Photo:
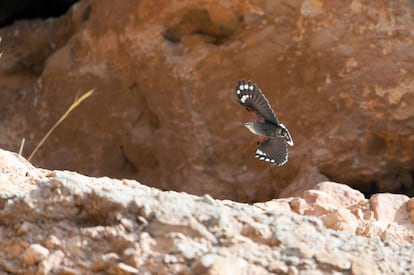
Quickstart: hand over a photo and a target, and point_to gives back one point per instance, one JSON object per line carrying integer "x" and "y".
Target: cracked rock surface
{"x": 61, "y": 222}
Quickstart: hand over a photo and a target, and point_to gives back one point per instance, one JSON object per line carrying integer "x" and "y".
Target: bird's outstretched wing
{"x": 250, "y": 96}
{"x": 273, "y": 150}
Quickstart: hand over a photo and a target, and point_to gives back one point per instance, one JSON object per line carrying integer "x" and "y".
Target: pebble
{"x": 34, "y": 254}
{"x": 104, "y": 261}
{"x": 122, "y": 269}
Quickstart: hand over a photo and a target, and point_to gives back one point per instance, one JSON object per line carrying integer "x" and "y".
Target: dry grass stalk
{"x": 70, "y": 109}
{"x": 21, "y": 146}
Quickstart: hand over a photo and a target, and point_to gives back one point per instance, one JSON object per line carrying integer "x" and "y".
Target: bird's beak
{"x": 234, "y": 124}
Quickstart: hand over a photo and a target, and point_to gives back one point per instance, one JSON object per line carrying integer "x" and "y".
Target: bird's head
{"x": 249, "y": 125}
{"x": 252, "y": 127}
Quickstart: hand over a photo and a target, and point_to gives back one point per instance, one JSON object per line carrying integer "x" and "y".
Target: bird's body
{"x": 269, "y": 130}
{"x": 273, "y": 136}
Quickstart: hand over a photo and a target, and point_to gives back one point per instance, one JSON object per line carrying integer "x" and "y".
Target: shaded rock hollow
{"x": 337, "y": 73}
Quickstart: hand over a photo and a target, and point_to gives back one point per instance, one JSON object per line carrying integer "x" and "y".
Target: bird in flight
{"x": 273, "y": 136}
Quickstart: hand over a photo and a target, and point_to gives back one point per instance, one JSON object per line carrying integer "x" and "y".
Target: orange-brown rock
{"x": 338, "y": 74}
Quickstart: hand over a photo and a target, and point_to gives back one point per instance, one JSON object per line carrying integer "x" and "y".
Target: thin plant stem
{"x": 21, "y": 146}
{"x": 70, "y": 109}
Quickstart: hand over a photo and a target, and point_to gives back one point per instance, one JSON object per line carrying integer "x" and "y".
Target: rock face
{"x": 338, "y": 74}
{"x": 60, "y": 222}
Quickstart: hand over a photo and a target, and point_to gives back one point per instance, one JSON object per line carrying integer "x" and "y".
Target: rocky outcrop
{"x": 337, "y": 73}
{"x": 387, "y": 216}
{"x": 61, "y": 222}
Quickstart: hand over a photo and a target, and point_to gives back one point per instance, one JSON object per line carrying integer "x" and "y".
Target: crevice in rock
{"x": 39, "y": 40}
{"x": 127, "y": 163}
{"x": 398, "y": 182}
{"x": 97, "y": 212}
{"x": 11, "y": 10}
{"x": 199, "y": 22}
{"x": 3, "y": 202}
{"x": 368, "y": 189}
{"x": 147, "y": 117}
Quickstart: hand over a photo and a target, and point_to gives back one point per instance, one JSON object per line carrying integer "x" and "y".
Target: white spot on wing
{"x": 246, "y": 86}
{"x": 260, "y": 152}
{"x": 244, "y": 98}
{"x": 251, "y": 87}
{"x": 241, "y": 87}
{"x": 289, "y": 137}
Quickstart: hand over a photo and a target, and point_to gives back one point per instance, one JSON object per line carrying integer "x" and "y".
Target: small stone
{"x": 228, "y": 265}
{"x": 132, "y": 255}
{"x": 204, "y": 263}
{"x": 13, "y": 249}
{"x": 169, "y": 258}
{"x": 34, "y": 254}
{"x": 278, "y": 267}
{"x": 142, "y": 222}
{"x": 110, "y": 257}
{"x": 146, "y": 211}
{"x": 368, "y": 215}
{"x": 51, "y": 174}
{"x": 146, "y": 242}
{"x": 74, "y": 245}
{"x": 363, "y": 267}
{"x": 122, "y": 269}
{"x": 298, "y": 205}
{"x": 52, "y": 241}
{"x": 333, "y": 259}
{"x": 189, "y": 253}
{"x": 25, "y": 228}
{"x": 292, "y": 270}
{"x": 64, "y": 270}
{"x": 104, "y": 261}
{"x": 370, "y": 229}
{"x": 208, "y": 199}
{"x": 181, "y": 269}
{"x": 341, "y": 219}
{"x": 358, "y": 213}
{"x": 275, "y": 205}
{"x": 127, "y": 224}
{"x": 53, "y": 261}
